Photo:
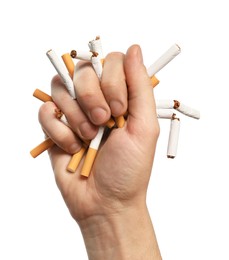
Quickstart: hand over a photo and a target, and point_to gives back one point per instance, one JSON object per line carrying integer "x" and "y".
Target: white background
{"x": 187, "y": 196}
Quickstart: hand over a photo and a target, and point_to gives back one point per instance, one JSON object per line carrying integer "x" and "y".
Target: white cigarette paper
{"x": 96, "y": 46}
{"x": 188, "y": 111}
{"x": 97, "y": 65}
{"x": 164, "y": 104}
{"x": 81, "y": 55}
{"x": 173, "y": 138}
{"x": 165, "y": 113}
{"x": 169, "y": 55}
{"x": 62, "y": 71}
{"x": 94, "y": 144}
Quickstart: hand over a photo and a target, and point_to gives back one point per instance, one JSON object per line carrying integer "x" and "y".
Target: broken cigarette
{"x": 46, "y": 144}
{"x": 173, "y": 138}
{"x": 75, "y": 160}
{"x": 95, "y": 46}
{"x": 81, "y": 55}
{"x": 68, "y": 63}
{"x": 62, "y": 71}
{"x": 165, "y": 113}
{"x": 160, "y": 63}
{"x": 42, "y": 95}
{"x": 175, "y": 104}
{"x": 91, "y": 153}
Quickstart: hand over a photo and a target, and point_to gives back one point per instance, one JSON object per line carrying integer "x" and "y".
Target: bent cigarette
{"x": 62, "y": 71}
{"x": 91, "y": 153}
{"x": 42, "y": 95}
{"x": 160, "y": 63}
{"x": 68, "y": 63}
{"x": 46, "y": 144}
{"x": 173, "y": 138}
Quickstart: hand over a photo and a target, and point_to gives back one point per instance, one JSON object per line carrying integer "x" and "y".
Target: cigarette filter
{"x": 75, "y": 160}
{"x": 68, "y": 63}
{"x": 154, "y": 81}
{"x": 62, "y": 71}
{"x": 169, "y": 55}
{"x": 42, "y": 95}
{"x": 91, "y": 153}
{"x": 120, "y": 121}
{"x": 46, "y": 144}
{"x": 173, "y": 138}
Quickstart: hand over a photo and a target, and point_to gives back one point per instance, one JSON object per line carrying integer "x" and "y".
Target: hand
{"x": 121, "y": 171}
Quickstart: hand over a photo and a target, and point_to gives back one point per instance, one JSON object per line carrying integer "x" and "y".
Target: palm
{"x": 113, "y": 177}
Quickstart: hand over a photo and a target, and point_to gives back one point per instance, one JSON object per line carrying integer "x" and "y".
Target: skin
{"x": 109, "y": 206}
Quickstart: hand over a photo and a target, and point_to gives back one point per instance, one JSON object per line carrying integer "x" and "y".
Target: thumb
{"x": 141, "y": 103}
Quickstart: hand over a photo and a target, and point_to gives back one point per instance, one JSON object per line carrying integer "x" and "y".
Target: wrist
{"x": 127, "y": 234}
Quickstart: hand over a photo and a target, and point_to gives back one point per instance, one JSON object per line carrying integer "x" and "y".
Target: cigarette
{"x": 42, "y": 95}
{"x": 164, "y": 104}
{"x": 160, "y": 63}
{"x": 94, "y": 145}
{"x": 175, "y": 104}
{"x": 95, "y": 46}
{"x": 155, "y": 81}
{"x": 91, "y": 153}
{"x": 62, "y": 71}
{"x": 75, "y": 160}
{"x": 81, "y": 55}
{"x": 46, "y": 144}
{"x": 186, "y": 110}
{"x": 120, "y": 121}
{"x": 97, "y": 65}
{"x": 165, "y": 113}
{"x": 68, "y": 63}
{"x": 173, "y": 138}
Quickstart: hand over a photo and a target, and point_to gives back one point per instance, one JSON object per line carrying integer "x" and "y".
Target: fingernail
{"x": 74, "y": 148}
{"x": 116, "y": 108}
{"x": 87, "y": 130}
{"x": 98, "y": 115}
